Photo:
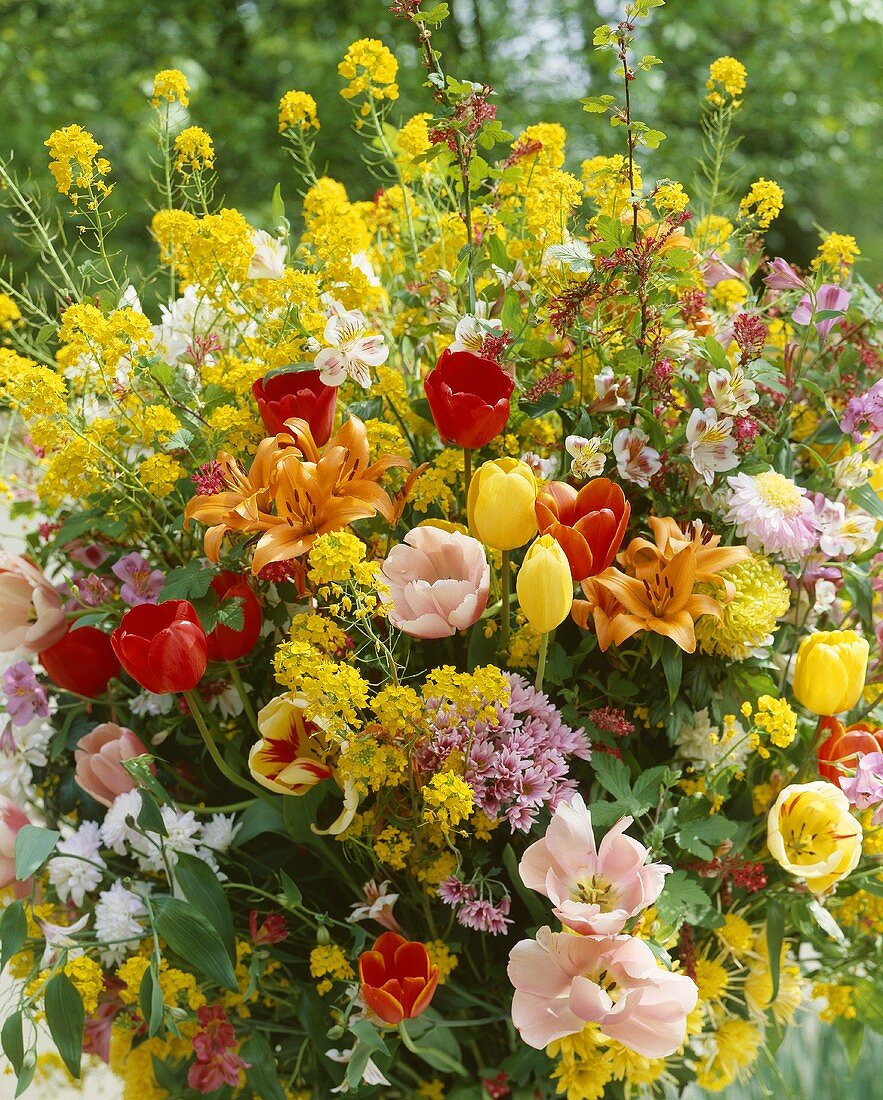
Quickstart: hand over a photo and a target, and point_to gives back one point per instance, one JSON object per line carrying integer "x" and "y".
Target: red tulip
{"x": 838, "y": 753}
{"x": 469, "y": 398}
{"x": 588, "y": 525}
{"x": 297, "y": 393}
{"x": 82, "y": 662}
{"x": 398, "y": 980}
{"x": 225, "y": 643}
{"x": 162, "y": 646}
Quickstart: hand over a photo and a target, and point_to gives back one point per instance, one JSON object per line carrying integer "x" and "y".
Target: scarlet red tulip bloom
{"x": 398, "y": 979}
{"x": 469, "y": 398}
{"x": 588, "y": 525}
{"x": 297, "y": 393}
{"x": 838, "y": 753}
{"x": 162, "y": 646}
{"x": 82, "y": 662}
{"x": 225, "y": 643}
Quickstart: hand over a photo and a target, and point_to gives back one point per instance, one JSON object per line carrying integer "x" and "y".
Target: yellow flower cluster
{"x": 31, "y": 388}
{"x": 763, "y": 203}
{"x": 606, "y": 183}
{"x": 366, "y": 764}
{"x": 178, "y": 987}
{"x": 447, "y": 800}
{"x": 399, "y": 709}
{"x": 170, "y": 86}
{"x": 727, "y": 78}
{"x": 321, "y": 632}
{"x": 670, "y": 198}
{"x": 159, "y": 474}
{"x": 714, "y": 231}
{"x": 474, "y": 694}
{"x": 837, "y": 252}
{"x": 392, "y": 846}
{"x": 335, "y": 558}
{"x": 297, "y": 111}
{"x": 440, "y": 955}
{"x": 87, "y": 977}
{"x": 436, "y": 486}
{"x": 212, "y": 250}
{"x": 194, "y": 151}
{"x": 72, "y": 145}
{"x": 760, "y": 599}
{"x": 335, "y": 691}
{"x": 412, "y": 140}
{"x": 337, "y": 233}
{"x": 10, "y": 314}
{"x": 775, "y": 720}
{"x": 327, "y": 961}
{"x": 728, "y": 294}
{"x": 90, "y": 339}
{"x": 371, "y": 69}
{"x": 839, "y": 1000}
{"x": 552, "y": 138}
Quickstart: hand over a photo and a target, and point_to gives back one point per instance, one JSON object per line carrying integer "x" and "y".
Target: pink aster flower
{"x": 772, "y": 514}
{"x": 829, "y": 298}
{"x": 562, "y": 982}
{"x": 595, "y": 890}
{"x": 865, "y": 788}
{"x": 438, "y": 582}
{"x": 484, "y": 916}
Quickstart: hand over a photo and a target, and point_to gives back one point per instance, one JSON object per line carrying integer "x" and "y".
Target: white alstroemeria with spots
{"x": 353, "y": 350}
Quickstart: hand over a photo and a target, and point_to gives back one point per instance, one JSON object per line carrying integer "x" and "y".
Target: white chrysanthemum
{"x": 116, "y": 913}
{"x": 32, "y": 741}
{"x": 219, "y": 833}
{"x": 702, "y": 744}
{"x": 183, "y": 836}
{"x": 115, "y": 832}
{"x": 772, "y": 514}
{"x": 78, "y": 875}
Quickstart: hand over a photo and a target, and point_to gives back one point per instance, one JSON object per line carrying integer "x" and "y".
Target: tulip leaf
{"x": 775, "y": 934}
{"x": 866, "y": 497}
{"x": 202, "y": 889}
{"x": 66, "y": 1017}
{"x": 12, "y": 1040}
{"x": 259, "y": 818}
{"x": 261, "y": 1075}
{"x": 149, "y": 817}
{"x": 437, "y": 1047}
{"x": 673, "y": 667}
{"x": 33, "y": 846}
{"x": 189, "y": 935}
{"x": 13, "y": 931}
{"x": 292, "y": 891}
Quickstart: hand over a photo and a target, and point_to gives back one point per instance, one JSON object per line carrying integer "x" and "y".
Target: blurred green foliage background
{"x": 812, "y": 116}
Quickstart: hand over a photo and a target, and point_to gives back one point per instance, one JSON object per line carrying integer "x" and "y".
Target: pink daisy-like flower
{"x": 772, "y": 514}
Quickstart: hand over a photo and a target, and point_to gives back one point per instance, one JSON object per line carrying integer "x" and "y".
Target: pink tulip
{"x": 98, "y": 758}
{"x": 782, "y": 276}
{"x": 563, "y": 981}
{"x": 31, "y": 615}
{"x": 12, "y": 818}
{"x": 594, "y": 890}
{"x": 438, "y": 582}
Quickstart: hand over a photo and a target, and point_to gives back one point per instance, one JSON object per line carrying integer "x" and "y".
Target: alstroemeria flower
{"x": 829, "y": 298}
{"x": 710, "y": 444}
{"x": 594, "y": 889}
{"x": 636, "y": 460}
{"x": 354, "y": 349}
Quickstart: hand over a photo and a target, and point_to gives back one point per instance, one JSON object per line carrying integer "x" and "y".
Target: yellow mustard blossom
{"x": 159, "y": 474}
{"x": 728, "y": 294}
{"x": 178, "y": 987}
{"x": 391, "y": 846}
{"x": 10, "y": 314}
{"x": 297, "y": 111}
{"x": 440, "y": 955}
{"x": 735, "y": 1048}
{"x": 550, "y": 202}
{"x": 431, "y": 1090}
{"x": 760, "y": 598}
{"x": 837, "y": 252}
{"x": 862, "y": 911}
{"x": 72, "y": 145}
{"x": 551, "y": 137}
{"x": 763, "y": 203}
{"x": 170, "y": 86}
{"x": 606, "y": 183}
{"x": 87, "y": 977}
{"x": 370, "y": 69}
{"x": 211, "y": 251}
{"x": 839, "y": 1000}
{"x": 321, "y": 632}
{"x": 714, "y": 231}
{"x": 156, "y": 423}
{"x": 448, "y": 800}
{"x": 133, "y": 1063}
{"x": 412, "y": 140}
{"x": 670, "y": 198}
{"x": 334, "y": 557}
{"x": 235, "y": 428}
{"x": 727, "y": 78}
{"x": 327, "y": 961}
{"x": 194, "y": 151}
{"x": 31, "y": 388}
{"x": 366, "y": 764}
{"x": 398, "y": 708}
{"x": 775, "y": 719}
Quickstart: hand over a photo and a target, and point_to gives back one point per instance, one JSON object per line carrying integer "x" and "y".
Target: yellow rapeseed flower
{"x": 297, "y": 111}
{"x": 170, "y": 86}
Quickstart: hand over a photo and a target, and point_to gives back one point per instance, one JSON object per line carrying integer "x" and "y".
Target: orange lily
{"x": 659, "y": 599}
{"x": 671, "y": 537}
{"x": 603, "y": 608}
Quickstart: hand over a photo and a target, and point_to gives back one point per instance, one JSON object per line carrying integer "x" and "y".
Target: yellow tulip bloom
{"x": 813, "y": 835}
{"x": 544, "y": 585}
{"x": 501, "y": 502}
{"x": 829, "y": 674}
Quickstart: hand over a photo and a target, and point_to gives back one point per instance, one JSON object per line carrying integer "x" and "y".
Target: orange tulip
{"x": 398, "y": 979}
{"x": 588, "y": 525}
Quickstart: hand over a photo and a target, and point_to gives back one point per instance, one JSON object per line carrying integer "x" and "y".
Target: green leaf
{"x": 852, "y": 1035}
{"x": 150, "y": 818}
{"x": 13, "y": 931}
{"x": 673, "y": 667}
{"x": 12, "y": 1040}
{"x": 65, "y": 1016}
{"x": 368, "y": 1034}
{"x": 139, "y": 769}
{"x": 230, "y": 613}
{"x": 867, "y": 996}
{"x": 866, "y": 497}
{"x": 261, "y": 1074}
{"x": 645, "y": 792}
{"x": 190, "y": 581}
{"x": 536, "y": 908}
{"x": 33, "y": 846}
{"x": 150, "y": 1001}
{"x": 703, "y": 836}
{"x": 613, "y": 775}
{"x": 291, "y": 890}
{"x": 259, "y": 818}
{"x": 437, "y": 1047}
{"x": 186, "y": 932}
{"x": 435, "y": 16}
{"x": 775, "y": 935}
{"x": 682, "y": 899}
{"x": 278, "y": 206}
{"x": 597, "y": 104}
{"x": 202, "y": 889}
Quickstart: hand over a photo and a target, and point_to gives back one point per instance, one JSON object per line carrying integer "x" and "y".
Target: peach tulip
{"x": 438, "y": 582}
{"x": 99, "y": 757}
{"x": 31, "y": 616}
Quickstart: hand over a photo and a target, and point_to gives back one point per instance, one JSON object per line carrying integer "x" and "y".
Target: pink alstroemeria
{"x": 865, "y": 788}
{"x": 563, "y": 981}
{"x": 830, "y": 298}
{"x": 782, "y": 276}
{"x": 715, "y": 270}
{"x": 378, "y": 906}
{"x": 595, "y": 890}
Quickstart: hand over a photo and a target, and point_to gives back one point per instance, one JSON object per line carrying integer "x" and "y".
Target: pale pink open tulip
{"x": 563, "y": 981}
{"x": 595, "y": 890}
{"x": 98, "y": 758}
{"x": 12, "y": 818}
{"x": 438, "y": 582}
{"x": 31, "y": 616}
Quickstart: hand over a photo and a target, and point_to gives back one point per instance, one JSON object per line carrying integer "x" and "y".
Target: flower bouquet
{"x": 444, "y": 658}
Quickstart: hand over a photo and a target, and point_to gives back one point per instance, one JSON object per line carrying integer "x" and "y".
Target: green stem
{"x": 505, "y": 612}
{"x": 467, "y": 474}
{"x": 243, "y": 695}
{"x": 541, "y": 660}
{"x": 213, "y": 750}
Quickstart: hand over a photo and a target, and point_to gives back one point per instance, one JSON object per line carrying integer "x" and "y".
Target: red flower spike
{"x": 398, "y": 980}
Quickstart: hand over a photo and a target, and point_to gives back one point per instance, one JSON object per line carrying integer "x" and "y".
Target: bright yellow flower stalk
{"x": 812, "y": 834}
{"x": 829, "y": 674}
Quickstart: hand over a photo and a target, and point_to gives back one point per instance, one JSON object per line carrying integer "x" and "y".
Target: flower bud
{"x": 544, "y": 585}
{"x": 829, "y": 674}
{"x": 501, "y": 503}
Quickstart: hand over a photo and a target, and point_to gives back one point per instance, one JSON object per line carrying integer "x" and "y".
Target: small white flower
{"x": 712, "y": 448}
{"x": 220, "y": 832}
{"x": 851, "y": 472}
{"x": 843, "y": 534}
{"x": 58, "y": 936}
{"x": 379, "y": 906}
{"x": 543, "y": 468}
{"x": 182, "y": 829}
{"x": 371, "y": 1075}
{"x": 353, "y": 350}
{"x": 635, "y": 460}
{"x": 731, "y": 391}
{"x": 268, "y": 261}
{"x": 227, "y": 702}
{"x": 587, "y": 458}
{"x": 701, "y": 742}
{"x": 116, "y": 913}
{"x": 825, "y": 595}
{"x": 471, "y": 330}
{"x": 79, "y": 869}
{"x": 610, "y": 392}
{"x": 145, "y": 702}
{"x": 516, "y": 279}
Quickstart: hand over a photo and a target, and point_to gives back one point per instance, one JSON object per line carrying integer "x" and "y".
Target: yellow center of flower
{"x": 808, "y": 831}
{"x": 594, "y": 890}
{"x": 779, "y": 491}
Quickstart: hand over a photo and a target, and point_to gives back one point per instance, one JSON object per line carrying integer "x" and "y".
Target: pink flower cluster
{"x": 516, "y": 764}
{"x": 472, "y": 911}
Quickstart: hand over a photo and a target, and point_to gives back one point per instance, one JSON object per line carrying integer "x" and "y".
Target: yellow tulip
{"x": 501, "y": 502}
{"x": 545, "y": 585}
{"x": 829, "y": 674}
{"x": 812, "y": 834}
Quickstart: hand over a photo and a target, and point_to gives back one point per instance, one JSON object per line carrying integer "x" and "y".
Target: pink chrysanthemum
{"x": 772, "y": 514}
